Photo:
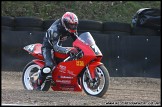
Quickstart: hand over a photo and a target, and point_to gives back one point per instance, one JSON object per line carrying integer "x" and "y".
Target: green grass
{"x": 118, "y": 11}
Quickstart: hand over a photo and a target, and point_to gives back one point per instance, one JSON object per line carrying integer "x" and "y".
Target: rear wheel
{"x": 30, "y": 75}
{"x": 99, "y": 86}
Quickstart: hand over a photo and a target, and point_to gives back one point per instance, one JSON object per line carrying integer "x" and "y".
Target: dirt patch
{"x": 122, "y": 91}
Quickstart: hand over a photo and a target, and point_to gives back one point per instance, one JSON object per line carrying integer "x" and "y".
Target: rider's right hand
{"x": 73, "y": 51}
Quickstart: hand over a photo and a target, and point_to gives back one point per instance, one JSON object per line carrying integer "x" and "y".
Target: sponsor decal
{"x": 79, "y": 63}
{"x": 64, "y": 81}
{"x": 67, "y": 86}
{"x": 29, "y": 48}
{"x": 67, "y": 89}
{"x": 66, "y": 77}
{"x": 71, "y": 73}
{"x": 62, "y": 68}
{"x": 62, "y": 71}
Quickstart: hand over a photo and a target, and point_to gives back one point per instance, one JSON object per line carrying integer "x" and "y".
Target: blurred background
{"x": 118, "y": 11}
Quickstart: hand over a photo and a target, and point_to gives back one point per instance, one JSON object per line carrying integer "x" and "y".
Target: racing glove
{"x": 73, "y": 51}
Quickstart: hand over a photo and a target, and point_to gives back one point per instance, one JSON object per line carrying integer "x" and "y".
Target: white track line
{"x": 18, "y": 105}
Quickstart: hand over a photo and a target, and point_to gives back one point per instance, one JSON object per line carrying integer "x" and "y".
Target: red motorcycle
{"x": 73, "y": 72}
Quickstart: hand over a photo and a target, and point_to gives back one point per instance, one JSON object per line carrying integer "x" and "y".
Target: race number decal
{"x": 79, "y": 63}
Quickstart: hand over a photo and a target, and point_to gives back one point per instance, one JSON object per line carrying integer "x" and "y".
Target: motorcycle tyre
{"x": 47, "y": 84}
{"x": 106, "y": 85}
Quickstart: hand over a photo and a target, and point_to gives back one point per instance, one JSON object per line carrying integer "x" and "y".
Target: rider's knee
{"x": 46, "y": 70}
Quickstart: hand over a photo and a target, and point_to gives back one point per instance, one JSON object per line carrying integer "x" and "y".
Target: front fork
{"x": 91, "y": 69}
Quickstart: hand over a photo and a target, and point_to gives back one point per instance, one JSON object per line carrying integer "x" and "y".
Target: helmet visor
{"x": 72, "y": 26}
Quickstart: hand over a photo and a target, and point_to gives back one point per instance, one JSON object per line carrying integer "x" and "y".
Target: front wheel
{"x": 30, "y": 75}
{"x": 99, "y": 86}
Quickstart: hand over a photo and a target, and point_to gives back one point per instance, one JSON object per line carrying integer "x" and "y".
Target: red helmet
{"x": 70, "y": 22}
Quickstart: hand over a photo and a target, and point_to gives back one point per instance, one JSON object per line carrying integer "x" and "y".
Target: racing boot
{"x": 42, "y": 76}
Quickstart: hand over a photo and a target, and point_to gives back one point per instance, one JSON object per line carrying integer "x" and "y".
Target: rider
{"x": 58, "y": 32}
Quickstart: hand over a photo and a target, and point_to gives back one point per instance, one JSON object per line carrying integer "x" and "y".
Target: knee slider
{"x": 46, "y": 70}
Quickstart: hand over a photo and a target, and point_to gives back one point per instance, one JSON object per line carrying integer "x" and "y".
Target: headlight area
{"x": 96, "y": 50}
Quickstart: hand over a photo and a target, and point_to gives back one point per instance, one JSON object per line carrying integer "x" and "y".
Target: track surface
{"x": 122, "y": 91}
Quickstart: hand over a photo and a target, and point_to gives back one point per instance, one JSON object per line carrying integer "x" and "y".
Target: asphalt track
{"x": 125, "y": 91}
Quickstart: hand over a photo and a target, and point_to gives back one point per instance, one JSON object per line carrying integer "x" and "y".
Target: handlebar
{"x": 75, "y": 56}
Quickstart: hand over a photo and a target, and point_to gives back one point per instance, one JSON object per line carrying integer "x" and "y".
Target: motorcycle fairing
{"x": 39, "y": 62}
{"x": 92, "y": 67}
{"x": 34, "y": 50}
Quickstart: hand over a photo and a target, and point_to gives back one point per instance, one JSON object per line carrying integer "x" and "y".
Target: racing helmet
{"x": 70, "y": 22}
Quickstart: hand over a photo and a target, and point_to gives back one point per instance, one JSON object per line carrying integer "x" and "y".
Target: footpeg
{"x": 49, "y": 77}
{"x": 53, "y": 83}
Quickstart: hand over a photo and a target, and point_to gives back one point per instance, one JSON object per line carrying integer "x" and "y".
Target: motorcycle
{"x": 82, "y": 71}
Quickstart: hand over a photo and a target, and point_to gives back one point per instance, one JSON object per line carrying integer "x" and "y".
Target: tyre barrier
{"x": 28, "y": 29}
{"x": 144, "y": 31}
{"x": 7, "y": 21}
{"x": 47, "y": 24}
{"x": 28, "y": 22}
{"x": 116, "y": 26}
{"x": 13, "y": 56}
{"x": 7, "y": 28}
{"x": 133, "y": 55}
{"x": 90, "y": 25}
{"x": 38, "y": 24}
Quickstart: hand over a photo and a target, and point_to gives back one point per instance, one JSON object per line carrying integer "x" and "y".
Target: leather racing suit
{"x": 53, "y": 39}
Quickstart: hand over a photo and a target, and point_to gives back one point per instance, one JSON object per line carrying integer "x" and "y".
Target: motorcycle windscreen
{"x": 88, "y": 40}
